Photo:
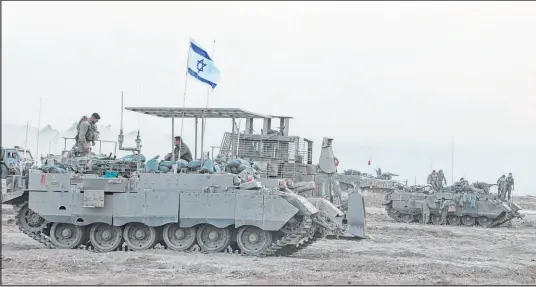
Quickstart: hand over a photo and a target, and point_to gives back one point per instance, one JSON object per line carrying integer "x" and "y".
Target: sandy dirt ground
{"x": 396, "y": 253}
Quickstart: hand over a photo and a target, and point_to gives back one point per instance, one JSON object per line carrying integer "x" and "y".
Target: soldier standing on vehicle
{"x": 87, "y": 132}
{"x": 431, "y": 179}
{"x": 501, "y": 183}
{"x": 440, "y": 179}
{"x": 509, "y": 185}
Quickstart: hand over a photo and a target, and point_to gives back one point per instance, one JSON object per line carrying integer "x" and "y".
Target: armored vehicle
{"x": 181, "y": 210}
{"x": 277, "y": 155}
{"x": 454, "y": 205}
{"x": 382, "y": 182}
{"x": 14, "y": 166}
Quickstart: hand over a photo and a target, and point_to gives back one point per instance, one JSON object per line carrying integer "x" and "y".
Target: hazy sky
{"x": 378, "y": 71}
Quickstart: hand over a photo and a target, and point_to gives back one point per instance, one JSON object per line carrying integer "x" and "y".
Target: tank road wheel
{"x": 407, "y": 218}
{"x": 253, "y": 240}
{"x": 139, "y": 236}
{"x": 213, "y": 239}
{"x": 30, "y": 221}
{"x": 178, "y": 238}
{"x": 454, "y": 220}
{"x": 105, "y": 237}
{"x": 484, "y": 221}
{"x": 468, "y": 220}
{"x": 436, "y": 219}
{"x": 67, "y": 235}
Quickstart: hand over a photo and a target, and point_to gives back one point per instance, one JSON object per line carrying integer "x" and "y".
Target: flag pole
{"x": 26, "y": 138}
{"x": 38, "y": 128}
{"x": 183, "y": 107}
{"x": 203, "y": 119}
{"x": 452, "y": 163}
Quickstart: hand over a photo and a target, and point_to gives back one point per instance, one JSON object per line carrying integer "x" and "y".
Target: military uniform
{"x": 434, "y": 181}
{"x": 185, "y": 153}
{"x": 501, "y": 182}
{"x": 431, "y": 178}
{"x": 440, "y": 179}
{"x": 509, "y": 185}
{"x": 87, "y": 133}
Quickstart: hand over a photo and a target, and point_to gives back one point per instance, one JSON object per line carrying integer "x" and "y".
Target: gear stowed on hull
{"x": 441, "y": 208}
{"x": 67, "y": 211}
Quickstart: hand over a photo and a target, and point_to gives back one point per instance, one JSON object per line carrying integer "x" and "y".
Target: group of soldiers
{"x": 506, "y": 185}
{"x": 436, "y": 180}
{"x": 87, "y": 134}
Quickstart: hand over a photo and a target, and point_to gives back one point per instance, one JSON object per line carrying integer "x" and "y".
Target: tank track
{"x": 289, "y": 244}
{"x": 502, "y": 221}
{"x": 392, "y": 213}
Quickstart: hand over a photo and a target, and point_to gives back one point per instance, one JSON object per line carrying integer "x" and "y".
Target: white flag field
{"x": 201, "y": 66}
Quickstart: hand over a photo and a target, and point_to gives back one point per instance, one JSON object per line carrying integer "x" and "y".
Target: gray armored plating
{"x": 454, "y": 208}
{"x": 180, "y": 210}
{"x": 170, "y": 207}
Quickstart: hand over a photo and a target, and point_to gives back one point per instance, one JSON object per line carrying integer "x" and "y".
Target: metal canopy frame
{"x": 214, "y": 113}
{"x": 196, "y": 113}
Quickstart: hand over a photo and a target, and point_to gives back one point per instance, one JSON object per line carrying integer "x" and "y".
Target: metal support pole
{"x": 212, "y": 152}
{"x": 196, "y": 124}
{"x": 204, "y": 119}
{"x": 452, "y": 164}
{"x": 173, "y": 138}
{"x": 233, "y": 140}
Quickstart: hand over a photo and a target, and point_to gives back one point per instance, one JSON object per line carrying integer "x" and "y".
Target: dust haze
{"x": 411, "y": 86}
{"x": 391, "y": 82}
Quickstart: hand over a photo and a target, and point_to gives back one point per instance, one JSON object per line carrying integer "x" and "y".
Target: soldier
{"x": 440, "y": 179}
{"x": 462, "y": 185}
{"x": 501, "y": 182}
{"x": 185, "y": 153}
{"x": 509, "y": 185}
{"x": 431, "y": 179}
{"x": 86, "y": 132}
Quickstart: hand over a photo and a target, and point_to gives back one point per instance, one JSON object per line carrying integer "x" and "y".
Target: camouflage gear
{"x": 431, "y": 177}
{"x": 509, "y": 185}
{"x": 501, "y": 182}
{"x": 86, "y": 133}
{"x": 432, "y": 180}
{"x": 185, "y": 153}
{"x": 440, "y": 179}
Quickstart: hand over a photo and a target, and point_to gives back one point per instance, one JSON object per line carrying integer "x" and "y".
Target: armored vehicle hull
{"x": 450, "y": 208}
{"x": 182, "y": 212}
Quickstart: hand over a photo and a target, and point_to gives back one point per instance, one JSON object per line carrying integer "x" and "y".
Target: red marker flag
{"x": 369, "y": 162}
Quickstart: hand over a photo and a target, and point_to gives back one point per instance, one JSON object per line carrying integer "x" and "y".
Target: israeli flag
{"x": 201, "y": 67}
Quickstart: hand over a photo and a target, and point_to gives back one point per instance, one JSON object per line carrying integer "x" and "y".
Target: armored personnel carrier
{"x": 454, "y": 205}
{"x": 382, "y": 182}
{"x": 276, "y": 155}
{"x": 14, "y": 166}
{"x": 180, "y": 210}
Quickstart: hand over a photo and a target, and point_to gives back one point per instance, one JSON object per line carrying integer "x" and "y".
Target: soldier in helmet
{"x": 185, "y": 153}
{"x": 501, "y": 183}
{"x": 431, "y": 180}
{"x": 87, "y": 133}
{"x": 440, "y": 179}
{"x": 461, "y": 185}
{"x": 509, "y": 185}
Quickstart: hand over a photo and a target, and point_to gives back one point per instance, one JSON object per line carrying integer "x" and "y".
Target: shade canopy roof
{"x": 215, "y": 113}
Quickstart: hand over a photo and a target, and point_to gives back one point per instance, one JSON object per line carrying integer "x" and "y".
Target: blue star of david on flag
{"x": 201, "y": 66}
